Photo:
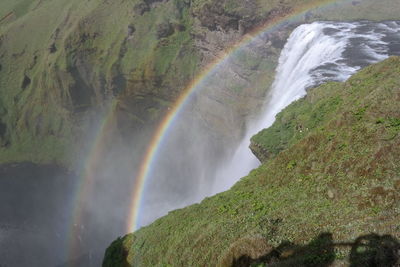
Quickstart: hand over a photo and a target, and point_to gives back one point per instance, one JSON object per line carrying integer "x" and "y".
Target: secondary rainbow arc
{"x": 87, "y": 176}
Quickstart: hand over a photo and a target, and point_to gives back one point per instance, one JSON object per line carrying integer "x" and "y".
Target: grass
{"x": 299, "y": 119}
{"x": 339, "y": 178}
{"x": 87, "y": 35}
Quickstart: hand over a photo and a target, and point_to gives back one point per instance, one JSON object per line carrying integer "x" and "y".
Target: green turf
{"x": 340, "y": 177}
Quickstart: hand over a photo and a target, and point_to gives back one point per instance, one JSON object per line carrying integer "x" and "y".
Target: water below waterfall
{"x": 314, "y": 53}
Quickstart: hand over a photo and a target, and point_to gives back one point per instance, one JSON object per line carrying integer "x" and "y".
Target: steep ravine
{"x": 67, "y": 64}
{"x": 213, "y": 123}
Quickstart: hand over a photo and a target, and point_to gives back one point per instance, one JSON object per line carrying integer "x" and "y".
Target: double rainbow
{"x": 161, "y": 133}
{"x": 166, "y": 124}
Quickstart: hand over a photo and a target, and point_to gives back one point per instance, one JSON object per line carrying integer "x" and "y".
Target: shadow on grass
{"x": 375, "y": 250}
{"x": 368, "y": 250}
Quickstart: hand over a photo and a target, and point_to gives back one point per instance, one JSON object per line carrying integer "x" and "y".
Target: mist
{"x": 204, "y": 152}
{"x": 313, "y": 54}
{"x": 202, "y": 161}
{"x": 53, "y": 216}
{"x": 34, "y": 214}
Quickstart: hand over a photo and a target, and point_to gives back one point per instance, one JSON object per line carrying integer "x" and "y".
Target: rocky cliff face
{"x": 62, "y": 62}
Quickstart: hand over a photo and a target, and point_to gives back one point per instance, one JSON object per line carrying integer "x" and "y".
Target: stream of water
{"x": 314, "y": 53}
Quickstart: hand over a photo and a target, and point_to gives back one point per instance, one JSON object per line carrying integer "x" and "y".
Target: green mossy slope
{"x": 335, "y": 181}
{"x": 63, "y": 61}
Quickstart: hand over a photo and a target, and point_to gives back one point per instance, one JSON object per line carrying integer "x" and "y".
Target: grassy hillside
{"x": 40, "y": 93}
{"x": 63, "y": 61}
{"x": 329, "y": 191}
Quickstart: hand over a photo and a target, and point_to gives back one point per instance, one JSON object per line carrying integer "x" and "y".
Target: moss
{"x": 62, "y": 58}
{"x": 296, "y": 121}
{"x": 93, "y": 57}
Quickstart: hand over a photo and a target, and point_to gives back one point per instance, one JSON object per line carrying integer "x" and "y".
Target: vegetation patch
{"x": 314, "y": 203}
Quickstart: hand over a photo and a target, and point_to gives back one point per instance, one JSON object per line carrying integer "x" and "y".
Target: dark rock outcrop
{"x": 25, "y": 82}
{"x": 259, "y": 151}
{"x": 141, "y": 8}
{"x": 164, "y": 30}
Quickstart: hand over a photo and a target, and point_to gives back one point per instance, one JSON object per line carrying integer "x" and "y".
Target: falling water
{"x": 314, "y": 53}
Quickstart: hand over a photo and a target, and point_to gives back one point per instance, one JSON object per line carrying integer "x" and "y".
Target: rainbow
{"x": 87, "y": 175}
{"x": 162, "y": 130}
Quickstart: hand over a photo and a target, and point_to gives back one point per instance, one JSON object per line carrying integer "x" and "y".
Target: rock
{"x": 259, "y": 151}
{"x": 164, "y": 30}
{"x": 331, "y": 194}
{"x": 52, "y": 48}
{"x": 141, "y": 8}
{"x": 26, "y": 82}
{"x": 179, "y": 27}
{"x": 131, "y": 30}
{"x": 213, "y": 17}
{"x": 309, "y": 15}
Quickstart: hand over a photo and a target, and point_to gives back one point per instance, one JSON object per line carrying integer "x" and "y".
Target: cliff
{"x": 331, "y": 179}
{"x": 64, "y": 62}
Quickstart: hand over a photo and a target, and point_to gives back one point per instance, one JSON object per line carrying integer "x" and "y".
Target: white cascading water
{"x": 314, "y": 53}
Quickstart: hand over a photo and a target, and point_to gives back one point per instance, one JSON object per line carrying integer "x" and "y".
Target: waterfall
{"x": 314, "y": 53}
{"x": 192, "y": 162}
